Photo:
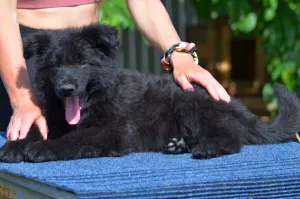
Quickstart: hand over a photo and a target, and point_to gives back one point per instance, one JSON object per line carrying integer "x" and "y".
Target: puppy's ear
{"x": 102, "y": 37}
{"x": 36, "y": 44}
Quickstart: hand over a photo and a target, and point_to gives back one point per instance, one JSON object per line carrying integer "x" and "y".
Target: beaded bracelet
{"x": 180, "y": 47}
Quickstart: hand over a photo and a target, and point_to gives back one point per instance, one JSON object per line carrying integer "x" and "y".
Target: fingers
{"x": 42, "y": 126}
{"x": 213, "y": 92}
{"x": 20, "y": 124}
{"x": 13, "y": 128}
{"x": 27, "y": 121}
{"x": 222, "y": 93}
{"x": 190, "y": 46}
{"x": 219, "y": 91}
{"x": 185, "y": 84}
{"x": 186, "y": 71}
{"x": 214, "y": 88}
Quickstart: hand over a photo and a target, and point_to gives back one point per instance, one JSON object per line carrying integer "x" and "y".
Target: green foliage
{"x": 115, "y": 13}
{"x": 276, "y": 22}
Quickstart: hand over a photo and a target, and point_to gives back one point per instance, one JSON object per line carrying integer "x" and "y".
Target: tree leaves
{"x": 270, "y": 9}
{"x": 247, "y": 23}
{"x": 270, "y": 3}
{"x": 115, "y": 13}
{"x": 269, "y": 14}
{"x": 268, "y": 92}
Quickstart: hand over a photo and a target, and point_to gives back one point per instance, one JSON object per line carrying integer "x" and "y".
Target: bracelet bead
{"x": 179, "y": 47}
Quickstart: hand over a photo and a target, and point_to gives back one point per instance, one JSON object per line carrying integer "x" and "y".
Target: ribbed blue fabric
{"x": 266, "y": 171}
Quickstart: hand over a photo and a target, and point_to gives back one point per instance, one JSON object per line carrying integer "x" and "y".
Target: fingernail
{"x": 228, "y": 99}
{"x": 45, "y": 136}
{"x": 21, "y": 137}
{"x": 190, "y": 90}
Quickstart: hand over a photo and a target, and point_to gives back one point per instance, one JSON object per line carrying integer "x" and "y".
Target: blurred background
{"x": 247, "y": 45}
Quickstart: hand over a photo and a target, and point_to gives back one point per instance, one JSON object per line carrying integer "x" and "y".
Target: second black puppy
{"x": 95, "y": 110}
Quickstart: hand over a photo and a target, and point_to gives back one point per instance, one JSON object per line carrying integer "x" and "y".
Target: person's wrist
{"x": 177, "y": 52}
{"x": 19, "y": 88}
{"x": 22, "y": 97}
{"x": 178, "y": 58}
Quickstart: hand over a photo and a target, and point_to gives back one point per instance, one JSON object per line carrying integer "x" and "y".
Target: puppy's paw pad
{"x": 175, "y": 146}
{"x": 205, "y": 151}
{"x": 38, "y": 152}
{"x": 11, "y": 153}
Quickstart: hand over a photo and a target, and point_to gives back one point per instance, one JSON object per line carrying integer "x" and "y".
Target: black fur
{"x": 125, "y": 112}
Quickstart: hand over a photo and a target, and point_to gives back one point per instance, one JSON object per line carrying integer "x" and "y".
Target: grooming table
{"x": 266, "y": 171}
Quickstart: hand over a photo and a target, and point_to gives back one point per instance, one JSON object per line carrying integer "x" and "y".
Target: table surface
{"x": 265, "y": 171}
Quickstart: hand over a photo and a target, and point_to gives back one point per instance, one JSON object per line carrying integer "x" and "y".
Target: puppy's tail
{"x": 284, "y": 126}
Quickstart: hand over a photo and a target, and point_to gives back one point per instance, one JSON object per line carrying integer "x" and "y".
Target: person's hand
{"x": 25, "y": 114}
{"x": 185, "y": 72}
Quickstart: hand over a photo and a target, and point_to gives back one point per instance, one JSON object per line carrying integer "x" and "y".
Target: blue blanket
{"x": 266, "y": 171}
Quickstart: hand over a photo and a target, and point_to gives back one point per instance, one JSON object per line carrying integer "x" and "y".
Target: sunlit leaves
{"x": 115, "y": 13}
{"x": 268, "y": 92}
{"x": 269, "y": 14}
{"x": 270, "y": 3}
{"x": 247, "y": 23}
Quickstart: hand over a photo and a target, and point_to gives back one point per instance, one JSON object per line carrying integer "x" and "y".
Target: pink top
{"x": 35, "y": 4}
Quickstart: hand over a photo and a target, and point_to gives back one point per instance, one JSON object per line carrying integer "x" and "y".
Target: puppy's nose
{"x": 66, "y": 89}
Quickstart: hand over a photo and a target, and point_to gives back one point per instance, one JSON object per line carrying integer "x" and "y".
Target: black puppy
{"x": 94, "y": 109}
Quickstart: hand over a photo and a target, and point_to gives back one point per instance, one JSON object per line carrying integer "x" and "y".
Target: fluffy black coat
{"x": 124, "y": 112}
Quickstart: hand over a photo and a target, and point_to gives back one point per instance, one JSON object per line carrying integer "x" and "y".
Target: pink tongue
{"x": 72, "y": 110}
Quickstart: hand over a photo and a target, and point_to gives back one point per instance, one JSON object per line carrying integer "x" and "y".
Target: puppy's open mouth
{"x": 72, "y": 106}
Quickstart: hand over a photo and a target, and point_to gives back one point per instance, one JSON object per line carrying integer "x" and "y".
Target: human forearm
{"x": 154, "y": 23}
{"x": 12, "y": 64}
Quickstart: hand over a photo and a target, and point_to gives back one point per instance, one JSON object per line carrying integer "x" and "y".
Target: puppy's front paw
{"x": 11, "y": 152}
{"x": 205, "y": 150}
{"x": 38, "y": 152}
{"x": 175, "y": 146}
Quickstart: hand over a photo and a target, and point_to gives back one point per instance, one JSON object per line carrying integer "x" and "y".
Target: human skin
{"x": 151, "y": 19}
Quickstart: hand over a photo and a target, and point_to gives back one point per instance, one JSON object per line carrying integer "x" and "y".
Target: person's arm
{"x": 15, "y": 77}
{"x": 154, "y": 23}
